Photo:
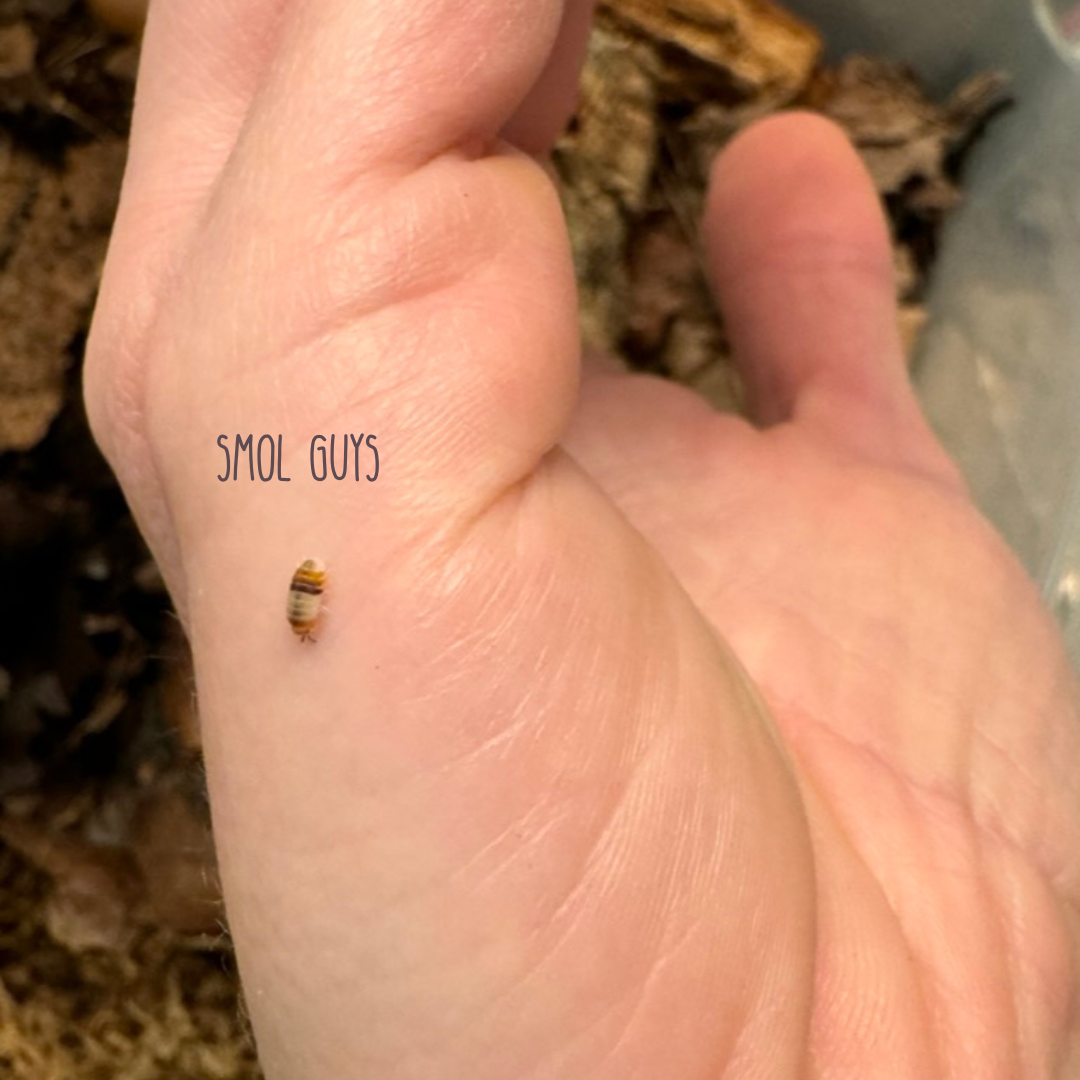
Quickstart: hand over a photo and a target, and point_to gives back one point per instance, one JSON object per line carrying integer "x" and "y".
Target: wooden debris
{"x": 759, "y": 47}
{"x": 903, "y": 138}
{"x": 666, "y": 86}
{"x": 123, "y": 16}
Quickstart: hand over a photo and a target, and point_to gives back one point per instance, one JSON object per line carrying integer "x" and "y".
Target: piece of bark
{"x": 123, "y": 16}
{"x": 18, "y": 48}
{"x": 605, "y": 163}
{"x": 910, "y": 320}
{"x": 94, "y": 892}
{"x": 54, "y": 227}
{"x": 764, "y": 49}
{"x": 176, "y": 692}
{"x": 174, "y": 849}
{"x": 903, "y": 137}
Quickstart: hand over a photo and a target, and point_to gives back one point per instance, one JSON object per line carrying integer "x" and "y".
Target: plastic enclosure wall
{"x": 999, "y": 367}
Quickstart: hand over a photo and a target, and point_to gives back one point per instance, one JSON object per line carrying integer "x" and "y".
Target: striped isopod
{"x": 305, "y": 597}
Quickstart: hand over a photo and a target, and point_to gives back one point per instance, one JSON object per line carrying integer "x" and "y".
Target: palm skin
{"x": 639, "y": 741}
{"x": 924, "y": 704}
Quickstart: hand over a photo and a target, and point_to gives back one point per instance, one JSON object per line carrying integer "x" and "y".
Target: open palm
{"x": 638, "y": 741}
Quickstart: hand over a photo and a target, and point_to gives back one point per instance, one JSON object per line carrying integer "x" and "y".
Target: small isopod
{"x": 305, "y": 597}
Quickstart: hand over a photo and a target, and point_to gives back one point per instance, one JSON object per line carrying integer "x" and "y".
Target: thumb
{"x": 800, "y": 255}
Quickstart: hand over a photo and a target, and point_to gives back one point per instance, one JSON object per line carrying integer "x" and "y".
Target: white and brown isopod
{"x": 305, "y": 597}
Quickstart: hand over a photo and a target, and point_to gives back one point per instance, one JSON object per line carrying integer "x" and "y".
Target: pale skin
{"x": 638, "y": 741}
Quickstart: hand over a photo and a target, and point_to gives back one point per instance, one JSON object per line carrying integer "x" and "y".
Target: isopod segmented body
{"x": 305, "y": 597}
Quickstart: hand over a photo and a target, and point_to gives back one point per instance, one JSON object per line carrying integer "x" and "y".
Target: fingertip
{"x": 799, "y": 255}
{"x": 801, "y": 258}
{"x": 789, "y": 179}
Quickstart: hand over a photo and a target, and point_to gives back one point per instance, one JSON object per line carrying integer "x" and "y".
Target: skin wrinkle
{"x": 1068, "y": 910}
{"x": 411, "y": 226}
{"x": 560, "y": 1051}
{"x": 494, "y": 496}
{"x": 882, "y": 662}
{"x": 931, "y": 468}
{"x": 479, "y": 1021}
{"x": 641, "y": 988}
{"x": 667, "y": 953}
{"x": 983, "y": 739}
{"x": 566, "y": 662}
{"x": 990, "y": 820}
{"x": 596, "y": 854}
{"x": 448, "y": 273}
{"x": 459, "y": 126}
{"x": 946, "y": 992}
{"x": 735, "y": 1065}
{"x": 563, "y": 1052}
{"x": 520, "y": 719}
{"x": 568, "y": 1037}
{"x": 156, "y": 72}
{"x": 395, "y": 911}
{"x": 469, "y": 649}
{"x": 529, "y": 838}
{"x": 517, "y": 726}
{"x": 770, "y": 688}
{"x": 118, "y": 420}
{"x": 653, "y": 972}
{"x": 454, "y": 532}
{"x": 593, "y": 862}
{"x": 469, "y": 534}
{"x": 258, "y": 37}
{"x": 798, "y": 251}
{"x": 899, "y": 433}
{"x": 979, "y": 831}
{"x": 515, "y": 443}
{"x": 353, "y": 402}
{"x": 808, "y": 779}
{"x": 997, "y": 912}
{"x": 927, "y": 977}
{"x": 945, "y": 791}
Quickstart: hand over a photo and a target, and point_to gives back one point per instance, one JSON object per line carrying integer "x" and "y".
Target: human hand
{"x": 639, "y": 741}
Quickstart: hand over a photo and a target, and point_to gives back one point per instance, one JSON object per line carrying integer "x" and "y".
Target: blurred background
{"x": 114, "y": 958}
